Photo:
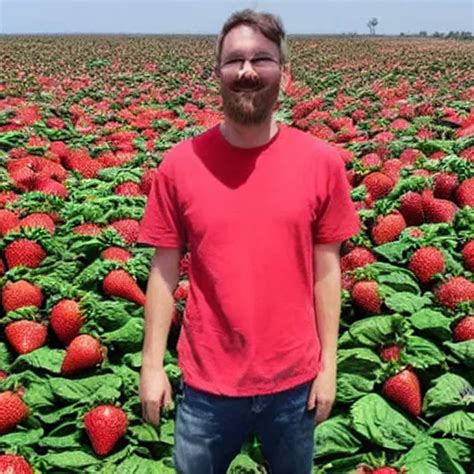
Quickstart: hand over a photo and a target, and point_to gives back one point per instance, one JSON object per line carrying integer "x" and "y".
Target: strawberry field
{"x": 83, "y": 124}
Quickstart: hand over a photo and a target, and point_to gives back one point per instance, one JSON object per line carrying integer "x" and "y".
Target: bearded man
{"x": 263, "y": 208}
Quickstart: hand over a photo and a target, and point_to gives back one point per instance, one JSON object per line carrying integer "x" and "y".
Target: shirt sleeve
{"x": 337, "y": 218}
{"x": 161, "y": 225}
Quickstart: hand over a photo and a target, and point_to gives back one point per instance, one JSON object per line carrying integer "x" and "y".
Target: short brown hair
{"x": 268, "y": 24}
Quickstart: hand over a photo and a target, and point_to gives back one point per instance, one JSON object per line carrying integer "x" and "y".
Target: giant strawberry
{"x": 404, "y": 389}
{"x": 84, "y": 352}
{"x": 120, "y": 283}
{"x": 105, "y": 425}
{"x": 366, "y": 296}
{"x": 454, "y": 291}
{"x": 12, "y": 411}
{"x": 19, "y": 294}
{"x": 66, "y": 320}
{"x": 14, "y": 464}
{"x": 426, "y": 262}
{"x": 24, "y": 252}
{"x": 26, "y": 336}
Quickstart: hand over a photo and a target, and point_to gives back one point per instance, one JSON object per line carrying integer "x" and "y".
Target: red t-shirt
{"x": 250, "y": 218}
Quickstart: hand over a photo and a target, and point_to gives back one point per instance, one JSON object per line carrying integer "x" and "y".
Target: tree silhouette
{"x": 372, "y": 23}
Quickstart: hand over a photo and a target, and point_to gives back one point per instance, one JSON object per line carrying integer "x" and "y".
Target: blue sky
{"x": 206, "y": 16}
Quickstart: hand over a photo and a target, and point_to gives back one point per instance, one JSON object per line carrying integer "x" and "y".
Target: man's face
{"x": 250, "y": 72}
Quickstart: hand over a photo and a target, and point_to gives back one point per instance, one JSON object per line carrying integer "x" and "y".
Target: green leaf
{"x": 128, "y": 338}
{"x": 458, "y": 450}
{"x": 243, "y": 464}
{"x": 42, "y": 358}
{"x": 344, "y": 465}
{"x": 6, "y": 356}
{"x": 66, "y": 436}
{"x": 458, "y": 423}
{"x": 83, "y": 389}
{"x": 350, "y": 387}
{"x": 434, "y": 323}
{"x": 167, "y": 432}
{"x": 69, "y": 460}
{"x": 133, "y": 360}
{"x": 375, "y": 419}
{"x": 394, "y": 252}
{"x": 59, "y": 414}
{"x": 422, "y": 457}
{"x": 38, "y": 395}
{"x": 137, "y": 465}
{"x": 334, "y": 436}
{"x": 405, "y": 302}
{"x": 464, "y": 351}
{"x": 22, "y": 438}
{"x": 371, "y": 331}
{"x": 145, "y": 433}
{"x": 447, "y": 393}
{"x": 421, "y": 353}
{"x": 400, "y": 282}
{"x": 358, "y": 361}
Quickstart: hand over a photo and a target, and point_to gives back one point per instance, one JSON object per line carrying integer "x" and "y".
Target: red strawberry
{"x": 391, "y": 352}
{"x": 409, "y": 156}
{"x": 358, "y": 257}
{"x": 468, "y": 255}
{"x": 392, "y": 168}
{"x": 116, "y": 253}
{"x": 128, "y": 229}
{"x": 371, "y": 161}
{"x": 19, "y": 294}
{"x": 404, "y": 389}
{"x": 7, "y": 196}
{"x": 182, "y": 290}
{"x": 66, "y": 320}
{"x": 13, "y": 464}
{"x": 39, "y": 219}
{"x": 3, "y": 375}
{"x": 444, "y": 185}
{"x": 120, "y": 283}
{"x": 411, "y": 208}
{"x": 24, "y": 252}
{"x": 87, "y": 229}
{"x": 8, "y": 221}
{"x": 454, "y": 291}
{"x": 378, "y": 184}
{"x": 128, "y": 188}
{"x": 426, "y": 262}
{"x": 26, "y": 336}
{"x": 184, "y": 264}
{"x": 465, "y": 193}
{"x": 388, "y": 228}
{"x": 146, "y": 180}
{"x": 2, "y": 267}
{"x": 366, "y": 296}
{"x": 105, "y": 425}
{"x": 12, "y": 411}
{"x": 464, "y": 329}
{"x": 437, "y": 210}
{"x": 47, "y": 185}
{"x": 84, "y": 352}
{"x": 384, "y": 470}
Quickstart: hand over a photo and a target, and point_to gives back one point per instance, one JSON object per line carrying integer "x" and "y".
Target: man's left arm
{"x": 327, "y": 296}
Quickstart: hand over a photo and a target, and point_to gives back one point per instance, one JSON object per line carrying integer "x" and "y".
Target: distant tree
{"x": 437, "y": 34}
{"x": 423, "y": 33}
{"x": 372, "y": 23}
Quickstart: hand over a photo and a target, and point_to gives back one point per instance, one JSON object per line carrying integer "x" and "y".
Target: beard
{"x": 248, "y": 104}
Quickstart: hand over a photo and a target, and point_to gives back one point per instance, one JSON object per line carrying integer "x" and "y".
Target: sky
{"x": 207, "y": 16}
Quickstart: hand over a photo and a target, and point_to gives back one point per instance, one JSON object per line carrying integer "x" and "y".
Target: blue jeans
{"x": 211, "y": 429}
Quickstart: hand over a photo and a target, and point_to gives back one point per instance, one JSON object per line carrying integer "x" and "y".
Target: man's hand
{"x": 155, "y": 391}
{"x": 323, "y": 394}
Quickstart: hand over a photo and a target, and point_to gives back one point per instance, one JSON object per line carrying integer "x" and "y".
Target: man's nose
{"x": 247, "y": 71}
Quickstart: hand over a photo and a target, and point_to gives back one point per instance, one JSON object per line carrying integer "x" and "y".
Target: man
{"x": 264, "y": 209}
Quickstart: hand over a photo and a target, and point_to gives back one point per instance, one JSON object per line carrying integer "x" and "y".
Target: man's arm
{"x": 327, "y": 296}
{"x": 155, "y": 389}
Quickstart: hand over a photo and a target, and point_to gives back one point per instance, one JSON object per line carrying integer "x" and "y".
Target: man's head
{"x": 251, "y": 57}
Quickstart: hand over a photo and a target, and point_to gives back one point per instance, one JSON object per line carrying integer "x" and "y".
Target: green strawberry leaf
{"x": 43, "y": 358}
{"x": 39, "y": 395}
{"x": 133, "y": 360}
{"x": 334, "y": 436}
{"x": 65, "y": 436}
{"x": 347, "y": 464}
{"x": 360, "y": 361}
{"x": 137, "y": 465}
{"x": 244, "y": 464}
{"x": 458, "y": 423}
{"x": 433, "y": 323}
{"x": 60, "y": 414}
{"x": 371, "y": 331}
{"x": 400, "y": 282}
{"x": 167, "y": 432}
{"x": 464, "y": 351}
{"x": 6, "y": 356}
{"x": 351, "y": 387}
{"x": 447, "y": 392}
{"x": 83, "y": 389}
{"x": 458, "y": 450}
{"x": 144, "y": 433}
{"x": 394, "y": 252}
{"x": 405, "y": 302}
{"x": 69, "y": 460}
{"x": 128, "y": 338}
{"x": 421, "y": 353}
{"x": 21, "y": 437}
{"x": 377, "y": 421}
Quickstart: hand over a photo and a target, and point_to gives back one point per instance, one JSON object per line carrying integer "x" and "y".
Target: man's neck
{"x": 248, "y": 137}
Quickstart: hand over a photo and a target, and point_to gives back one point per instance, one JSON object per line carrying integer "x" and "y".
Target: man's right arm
{"x": 155, "y": 389}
